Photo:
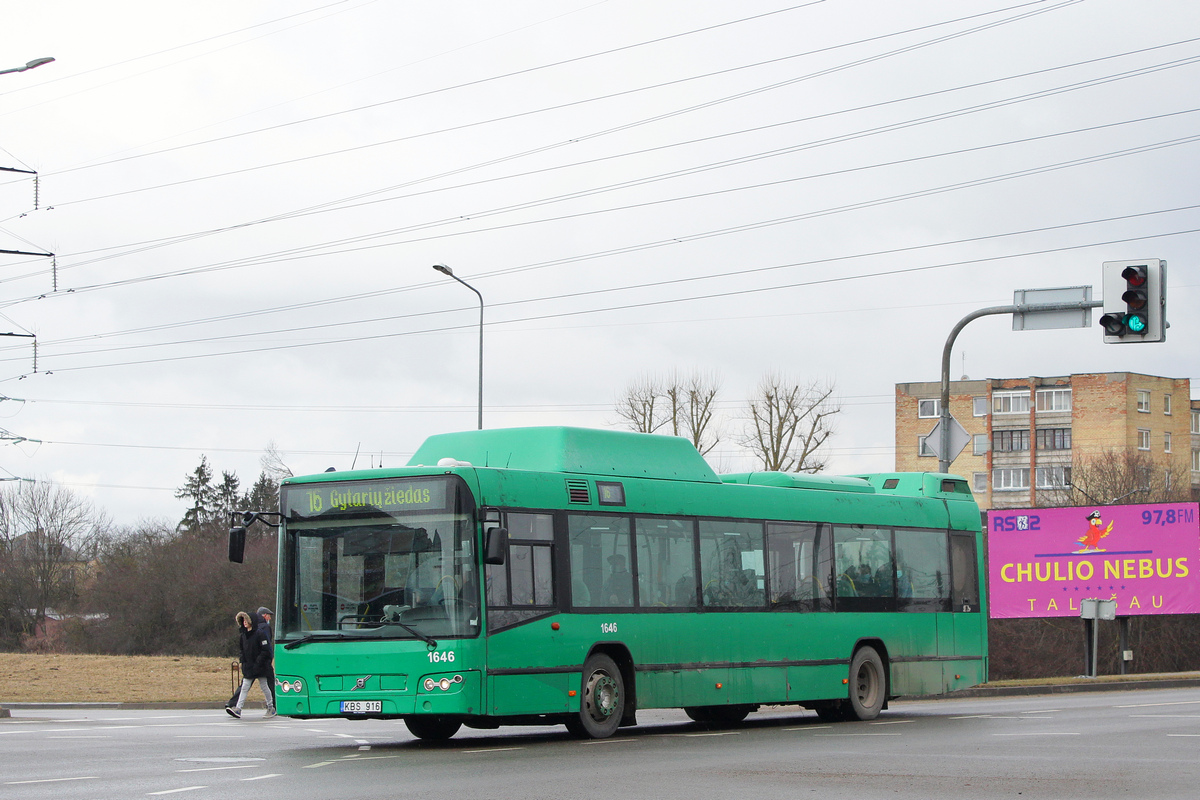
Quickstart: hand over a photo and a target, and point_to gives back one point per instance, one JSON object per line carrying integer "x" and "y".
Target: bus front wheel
{"x": 432, "y": 727}
{"x": 602, "y": 703}
{"x": 868, "y": 684}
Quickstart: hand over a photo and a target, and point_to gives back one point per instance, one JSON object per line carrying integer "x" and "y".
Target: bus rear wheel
{"x": 868, "y": 684}
{"x": 432, "y": 727}
{"x": 602, "y": 703}
{"x": 718, "y": 715}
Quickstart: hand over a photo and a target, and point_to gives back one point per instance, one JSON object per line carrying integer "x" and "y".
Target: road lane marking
{"x": 1148, "y": 705}
{"x": 319, "y": 764}
{"x": 1146, "y": 716}
{"x": 1040, "y": 733}
{"x": 860, "y": 734}
{"x": 622, "y": 740}
{"x": 79, "y": 737}
{"x": 176, "y": 791}
{"x": 261, "y": 777}
{"x": 714, "y": 733}
{"x": 210, "y": 736}
{"x": 1183, "y": 734}
{"x": 894, "y": 722}
{"x": 810, "y": 728}
{"x": 489, "y": 750}
{"x": 53, "y": 780}
{"x": 214, "y": 769}
{"x": 1044, "y": 711}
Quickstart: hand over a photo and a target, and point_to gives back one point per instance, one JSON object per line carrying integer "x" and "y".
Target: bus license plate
{"x": 362, "y": 706}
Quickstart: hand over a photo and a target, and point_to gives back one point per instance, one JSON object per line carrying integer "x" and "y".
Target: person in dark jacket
{"x": 267, "y": 614}
{"x": 255, "y": 661}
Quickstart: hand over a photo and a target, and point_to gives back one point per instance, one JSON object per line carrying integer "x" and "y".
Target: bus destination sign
{"x": 388, "y": 496}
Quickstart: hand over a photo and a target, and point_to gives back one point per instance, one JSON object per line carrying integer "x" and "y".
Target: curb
{"x": 5, "y": 706}
{"x": 1071, "y": 688}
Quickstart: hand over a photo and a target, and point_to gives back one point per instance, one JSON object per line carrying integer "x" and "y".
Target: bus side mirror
{"x": 237, "y": 543}
{"x": 496, "y": 542}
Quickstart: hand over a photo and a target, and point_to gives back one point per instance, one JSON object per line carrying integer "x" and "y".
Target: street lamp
{"x": 442, "y": 268}
{"x": 37, "y": 62}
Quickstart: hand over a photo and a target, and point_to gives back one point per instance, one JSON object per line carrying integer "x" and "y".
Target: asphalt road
{"x": 1143, "y": 744}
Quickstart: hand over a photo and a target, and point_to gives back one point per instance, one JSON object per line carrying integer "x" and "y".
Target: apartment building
{"x": 1027, "y": 432}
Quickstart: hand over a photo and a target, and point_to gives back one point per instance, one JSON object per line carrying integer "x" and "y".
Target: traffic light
{"x": 1135, "y": 301}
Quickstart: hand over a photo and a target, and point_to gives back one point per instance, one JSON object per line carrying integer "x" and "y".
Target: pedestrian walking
{"x": 255, "y": 662}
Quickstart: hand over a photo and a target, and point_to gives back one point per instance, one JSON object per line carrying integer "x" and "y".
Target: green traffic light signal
{"x": 1134, "y": 301}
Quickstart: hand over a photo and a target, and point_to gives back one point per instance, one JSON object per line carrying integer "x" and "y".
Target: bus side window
{"x": 732, "y": 568}
{"x": 866, "y": 568}
{"x": 922, "y": 570}
{"x": 666, "y": 562}
{"x": 601, "y": 561}
{"x": 799, "y": 566}
{"x": 526, "y": 578}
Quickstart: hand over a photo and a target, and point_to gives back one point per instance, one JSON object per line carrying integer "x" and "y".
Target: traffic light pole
{"x": 944, "y": 457}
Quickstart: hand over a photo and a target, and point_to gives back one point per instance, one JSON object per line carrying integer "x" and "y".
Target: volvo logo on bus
{"x": 360, "y": 683}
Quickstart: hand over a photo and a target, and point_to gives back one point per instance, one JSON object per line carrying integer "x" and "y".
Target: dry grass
{"x": 34, "y": 677}
{"x": 54, "y": 678}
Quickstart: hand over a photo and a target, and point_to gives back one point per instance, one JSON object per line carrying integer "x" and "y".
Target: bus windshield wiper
{"x": 429, "y": 640}
{"x": 315, "y": 637}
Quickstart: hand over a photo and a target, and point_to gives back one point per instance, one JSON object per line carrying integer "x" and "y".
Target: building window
{"x": 1167, "y": 442}
{"x": 1054, "y": 439}
{"x": 1011, "y": 402}
{"x": 1196, "y": 422}
{"x": 1196, "y": 460}
{"x": 979, "y": 406}
{"x": 1010, "y": 479}
{"x": 1055, "y": 477}
{"x": 979, "y": 479}
{"x": 979, "y": 444}
{"x": 929, "y": 409}
{"x": 1143, "y": 397}
{"x": 1054, "y": 400}
{"x": 1143, "y": 439}
{"x": 1167, "y": 404}
{"x": 923, "y": 448}
{"x": 1010, "y": 441}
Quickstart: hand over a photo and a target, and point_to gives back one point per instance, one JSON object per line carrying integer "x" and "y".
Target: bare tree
{"x": 699, "y": 418}
{"x": 273, "y": 465}
{"x": 639, "y": 405}
{"x": 680, "y": 405}
{"x": 1127, "y": 474}
{"x": 787, "y": 422}
{"x": 48, "y": 539}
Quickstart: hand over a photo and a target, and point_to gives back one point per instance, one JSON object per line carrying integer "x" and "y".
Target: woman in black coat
{"x": 256, "y": 662}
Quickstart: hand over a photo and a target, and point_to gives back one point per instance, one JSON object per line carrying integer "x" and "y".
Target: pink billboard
{"x": 1043, "y": 561}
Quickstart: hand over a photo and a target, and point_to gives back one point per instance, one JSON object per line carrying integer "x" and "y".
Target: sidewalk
{"x": 1102, "y": 683}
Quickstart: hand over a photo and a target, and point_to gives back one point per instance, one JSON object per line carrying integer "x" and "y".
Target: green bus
{"x": 559, "y": 575}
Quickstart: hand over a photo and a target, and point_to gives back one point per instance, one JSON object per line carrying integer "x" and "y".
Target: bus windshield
{"x": 385, "y": 559}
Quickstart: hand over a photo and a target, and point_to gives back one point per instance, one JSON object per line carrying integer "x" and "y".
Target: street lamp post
{"x": 442, "y": 268}
{"x": 37, "y": 62}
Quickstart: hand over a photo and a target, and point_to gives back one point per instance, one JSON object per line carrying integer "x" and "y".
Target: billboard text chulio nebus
{"x": 1043, "y": 561}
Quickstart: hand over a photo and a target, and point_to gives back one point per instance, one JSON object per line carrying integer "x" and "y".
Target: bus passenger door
{"x": 966, "y": 615}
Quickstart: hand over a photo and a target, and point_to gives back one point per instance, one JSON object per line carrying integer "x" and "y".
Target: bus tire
{"x": 718, "y": 715}
{"x": 868, "y": 684}
{"x": 602, "y": 699}
{"x": 433, "y": 728}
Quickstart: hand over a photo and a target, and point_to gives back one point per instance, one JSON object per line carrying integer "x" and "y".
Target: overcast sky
{"x": 245, "y": 201}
